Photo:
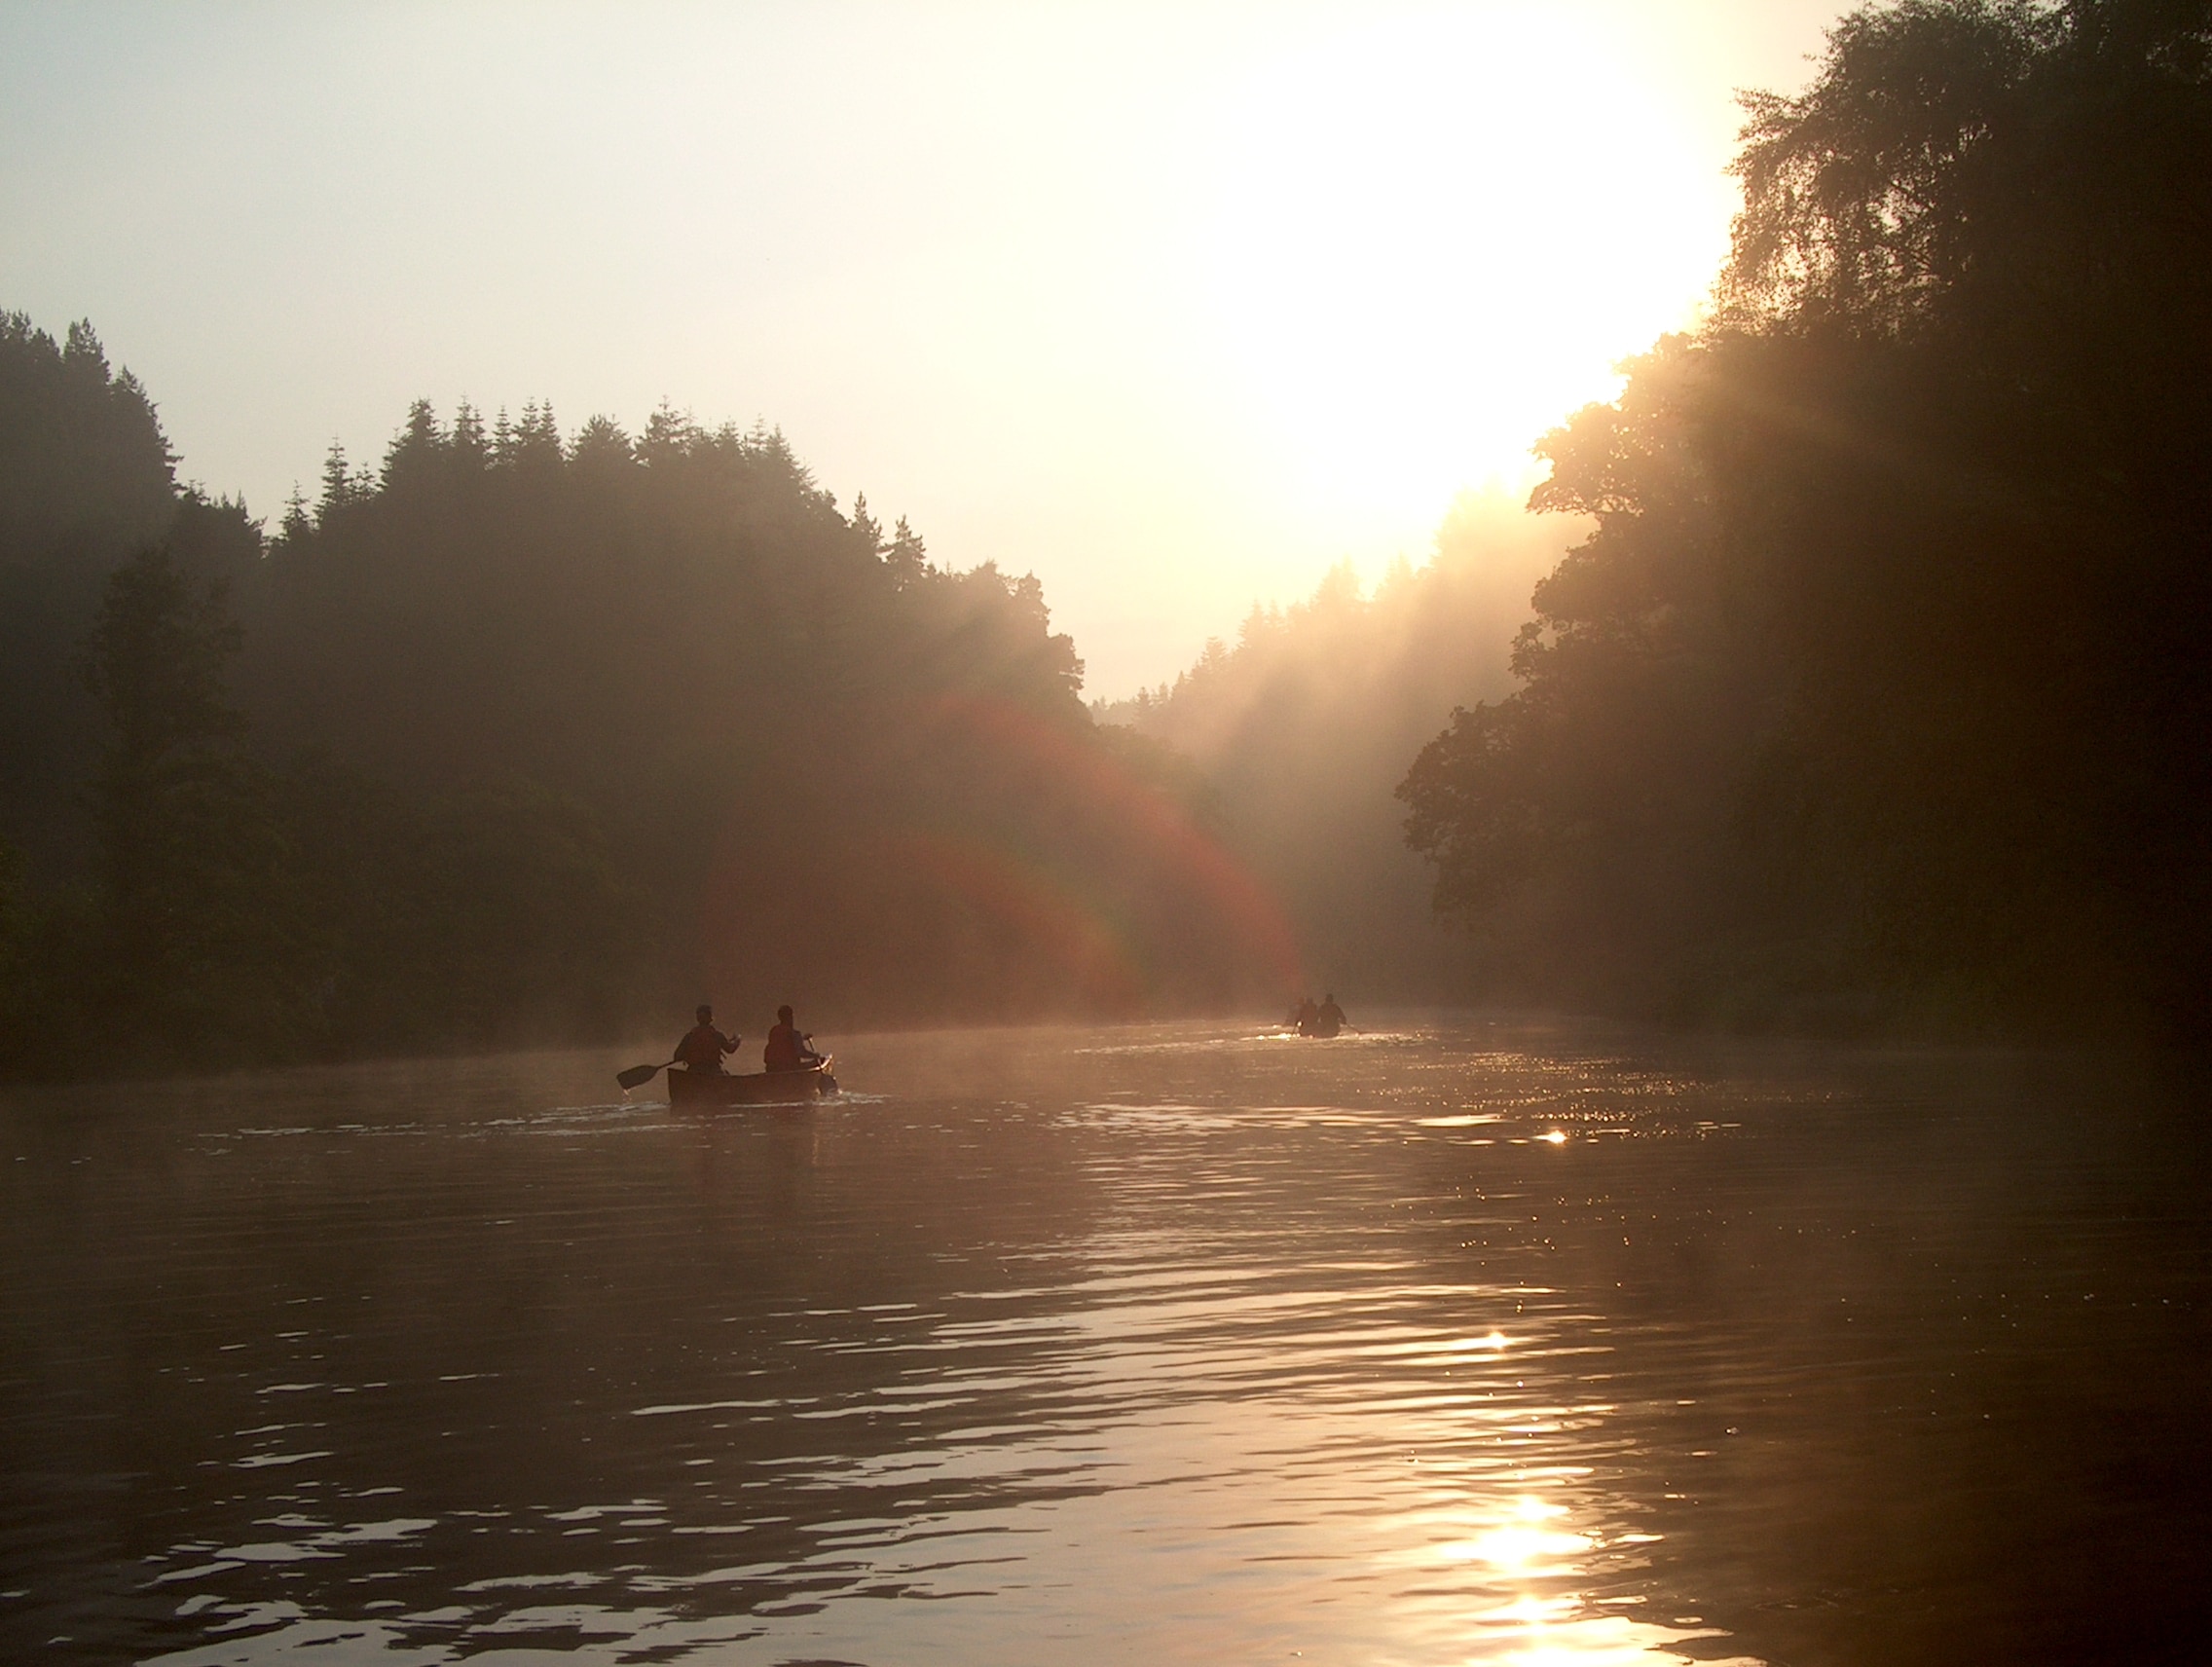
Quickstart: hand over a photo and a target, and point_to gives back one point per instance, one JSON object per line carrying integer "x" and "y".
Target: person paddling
{"x": 703, "y": 1046}
{"x": 787, "y": 1048}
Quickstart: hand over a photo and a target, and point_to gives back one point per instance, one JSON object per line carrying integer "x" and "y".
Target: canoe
{"x": 761, "y": 1087}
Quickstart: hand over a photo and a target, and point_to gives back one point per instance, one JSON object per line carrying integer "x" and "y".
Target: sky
{"x": 1174, "y": 306}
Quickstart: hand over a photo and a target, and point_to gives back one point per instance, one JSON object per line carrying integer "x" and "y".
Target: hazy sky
{"x": 1172, "y": 305}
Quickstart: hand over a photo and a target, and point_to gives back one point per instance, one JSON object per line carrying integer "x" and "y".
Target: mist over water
{"x": 1190, "y": 1343}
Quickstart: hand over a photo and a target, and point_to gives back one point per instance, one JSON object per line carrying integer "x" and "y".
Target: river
{"x": 1463, "y": 1340}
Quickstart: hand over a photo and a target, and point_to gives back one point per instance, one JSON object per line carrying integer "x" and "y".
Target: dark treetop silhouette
{"x": 1876, "y": 696}
{"x": 1873, "y": 694}
{"x": 519, "y": 737}
{"x": 1880, "y": 692}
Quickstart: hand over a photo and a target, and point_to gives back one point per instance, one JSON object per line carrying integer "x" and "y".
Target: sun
{"x": 1432, "y": 238}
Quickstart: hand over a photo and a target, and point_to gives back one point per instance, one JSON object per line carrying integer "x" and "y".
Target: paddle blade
{"x": 636, "y": 1074}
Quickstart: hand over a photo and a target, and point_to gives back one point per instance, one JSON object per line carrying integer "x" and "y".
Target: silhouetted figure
{"x": 1305, "y": 1014}
{"x": 703, "y": 1046}
{"x": 1328, "y": 1019}
{"x": 788, "y": 1047}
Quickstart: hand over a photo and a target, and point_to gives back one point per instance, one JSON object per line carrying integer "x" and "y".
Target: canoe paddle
{"x": 636, "y": 1074}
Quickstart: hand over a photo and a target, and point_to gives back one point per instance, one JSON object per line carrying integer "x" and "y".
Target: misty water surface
{"x": 1181, "y": 1344}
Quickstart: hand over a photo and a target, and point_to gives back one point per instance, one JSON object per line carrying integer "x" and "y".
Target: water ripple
{"x": 1189, "y": 1342}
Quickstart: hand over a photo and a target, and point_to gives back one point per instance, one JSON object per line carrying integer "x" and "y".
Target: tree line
{"x": 1873, "y": 694}
{"x": 529, "y": 736}
{"x": 1301, "y": 728}
{"x": 1880, "y": 694}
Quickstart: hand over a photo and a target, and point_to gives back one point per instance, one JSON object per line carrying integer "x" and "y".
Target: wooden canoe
{"x": 761, "y": 1087}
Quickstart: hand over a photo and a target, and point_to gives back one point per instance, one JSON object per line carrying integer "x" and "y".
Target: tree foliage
{"x": 527, "y": 738}
{"x": 85, "y": 478}
{"x": 1880, "y": 686}
{"x": 1299, "y": 729}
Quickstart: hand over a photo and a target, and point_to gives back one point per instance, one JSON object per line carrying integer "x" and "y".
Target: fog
{"x": 1174, "y": 306}
{"x": 1842, "y": 670}
{"x": 1302, "y": 730}
{"x": 1670, "y": 634}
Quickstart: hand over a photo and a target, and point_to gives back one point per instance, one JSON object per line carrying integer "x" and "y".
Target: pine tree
{"x": 867, "y": 531}
{"x": 537, "y": 439}
{"x": 466, "y": 446}
{"x": 416, "y": 451}
{"x": 601, "y": 445}
{"x": 158, "y": 663}
{"x": 907, "y": 557}
{"x": 667, "y": 437}
{"x": 342, "y": 486}
{"x": 297, "y": 526}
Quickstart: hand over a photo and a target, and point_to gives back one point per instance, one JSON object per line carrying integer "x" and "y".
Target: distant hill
{"x": 1304, "y": 726}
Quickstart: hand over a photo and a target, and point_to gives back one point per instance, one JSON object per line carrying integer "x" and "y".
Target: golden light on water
{"x": 1524, "y": 1544}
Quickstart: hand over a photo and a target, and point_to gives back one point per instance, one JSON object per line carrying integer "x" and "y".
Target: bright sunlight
{"x": 1435, "y": 237}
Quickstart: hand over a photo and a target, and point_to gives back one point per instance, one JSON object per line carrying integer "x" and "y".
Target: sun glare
{"x": 1432, "y": 238}
{"x": 1525, "y": 1543}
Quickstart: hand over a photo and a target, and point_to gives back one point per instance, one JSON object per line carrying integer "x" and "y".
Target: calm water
{"x": 1183, "y": 1343}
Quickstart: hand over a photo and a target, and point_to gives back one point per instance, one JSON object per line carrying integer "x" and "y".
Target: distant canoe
{"x": 763, "y": 1087}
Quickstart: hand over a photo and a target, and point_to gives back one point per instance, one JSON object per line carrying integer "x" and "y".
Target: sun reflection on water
{"x": 1523, "y": 1544}
{"x": 1529, "y": 1588}
{"x": 1139, "y": 1364}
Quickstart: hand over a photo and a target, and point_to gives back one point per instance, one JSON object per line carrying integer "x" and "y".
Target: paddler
{"x": 703, "y": 1046}
{"x": 788, "y": 1047}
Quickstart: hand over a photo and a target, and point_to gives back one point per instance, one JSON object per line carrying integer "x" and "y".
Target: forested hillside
{"x": 1302, "y": 729}
{"x": 85, "y": 478}
{"x": 1875, "y": 694}
{"x": 522, "y": 736}
{"x": 1882, "y": 693}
